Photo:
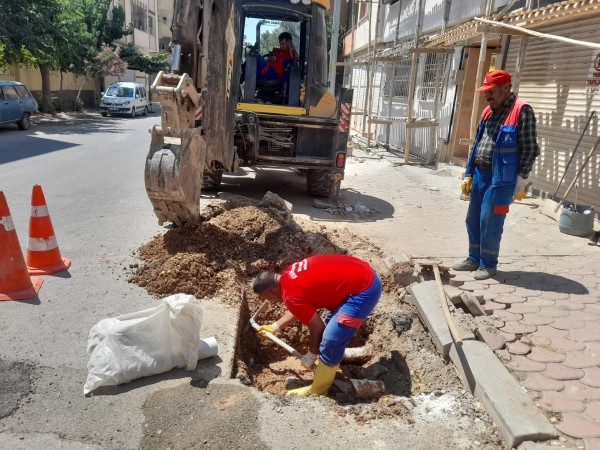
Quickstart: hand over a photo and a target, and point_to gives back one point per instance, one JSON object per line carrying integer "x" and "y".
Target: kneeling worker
{"x": 346, "y": 286}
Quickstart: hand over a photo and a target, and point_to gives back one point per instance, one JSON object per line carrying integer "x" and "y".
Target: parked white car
{"x": 124, "y": 97}
{"x": 17, "y": 104}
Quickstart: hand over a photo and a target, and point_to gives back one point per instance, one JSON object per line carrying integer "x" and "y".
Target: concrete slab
{"x": 426, "y": 299}
{"x": 516, "y": 416}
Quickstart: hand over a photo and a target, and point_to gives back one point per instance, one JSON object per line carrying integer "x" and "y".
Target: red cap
{"x": 495, "y": 78}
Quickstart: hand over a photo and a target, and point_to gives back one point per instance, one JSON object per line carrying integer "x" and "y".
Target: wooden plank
{"x": 422, "y": 124}
{"x": 499, "y": 30}
{"x": 431, "y": 50}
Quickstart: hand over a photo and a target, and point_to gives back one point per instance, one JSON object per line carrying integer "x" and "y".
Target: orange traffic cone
{"x": 43, "y": 255}
{"x": 15, "y": 283}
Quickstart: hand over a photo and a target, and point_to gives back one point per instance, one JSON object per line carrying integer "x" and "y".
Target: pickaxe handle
{"x": 271, "y": 336}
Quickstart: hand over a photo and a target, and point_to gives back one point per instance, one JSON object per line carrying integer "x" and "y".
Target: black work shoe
{"x": 483, "y": 273}
{"x": 468, "y": 265}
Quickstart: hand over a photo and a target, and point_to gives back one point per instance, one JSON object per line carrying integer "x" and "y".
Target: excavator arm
{"x": 197, "y": 108}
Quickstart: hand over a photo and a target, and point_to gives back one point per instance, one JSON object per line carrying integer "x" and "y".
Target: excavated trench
{"x": 237, "y": 237}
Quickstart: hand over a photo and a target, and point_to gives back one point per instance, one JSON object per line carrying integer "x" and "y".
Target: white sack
{"x": 144, "y": 343}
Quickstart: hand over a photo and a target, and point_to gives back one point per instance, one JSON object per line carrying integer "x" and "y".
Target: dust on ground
{"x": 238, "y": 237}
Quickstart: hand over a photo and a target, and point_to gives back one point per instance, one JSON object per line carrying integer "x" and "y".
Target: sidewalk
{"x": 547, "y": 313}
{"x": 544, "y": 302}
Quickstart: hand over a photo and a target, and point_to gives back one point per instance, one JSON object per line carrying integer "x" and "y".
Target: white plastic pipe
{"x": 207, "y": 347}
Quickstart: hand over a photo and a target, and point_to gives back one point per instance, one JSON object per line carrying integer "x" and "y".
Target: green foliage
{"x": 76, "y": 42}
{"x": 29, "y": 25}
{"x": 269, "y": 39}
{"x": 113, "y": 29}
{"x": 149, "y": 64}
{"x": 78, "y": 104}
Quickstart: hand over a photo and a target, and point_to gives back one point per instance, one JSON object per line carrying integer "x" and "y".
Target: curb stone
{"x": 516, "y": 416}
{"x": 507, "y": 402}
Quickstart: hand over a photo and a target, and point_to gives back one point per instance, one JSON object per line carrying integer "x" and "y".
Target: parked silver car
{"x": 17, "y": 104}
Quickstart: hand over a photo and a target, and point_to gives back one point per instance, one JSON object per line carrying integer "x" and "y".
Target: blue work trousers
{"x": 344, "y": 322}
{"x": 485, "y": 218}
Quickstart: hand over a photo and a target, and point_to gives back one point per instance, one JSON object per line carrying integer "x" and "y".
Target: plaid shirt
{"x": 526, "y": 138}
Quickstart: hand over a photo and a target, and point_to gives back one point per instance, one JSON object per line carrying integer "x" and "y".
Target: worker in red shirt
{"x": 346, "y": 286}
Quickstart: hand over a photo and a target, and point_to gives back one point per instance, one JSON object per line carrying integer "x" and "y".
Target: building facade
{"x": 414, "y": 66}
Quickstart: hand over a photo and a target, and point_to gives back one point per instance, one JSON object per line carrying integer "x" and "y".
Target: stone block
{"x": 516, "y": 416}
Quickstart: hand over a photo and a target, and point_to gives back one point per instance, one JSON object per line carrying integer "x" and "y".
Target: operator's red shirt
{"x": 323, "y": 281}
{"x": 283, "y": 59}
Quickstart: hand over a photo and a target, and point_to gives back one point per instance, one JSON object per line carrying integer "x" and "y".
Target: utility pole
{"x": 333, "y": 52}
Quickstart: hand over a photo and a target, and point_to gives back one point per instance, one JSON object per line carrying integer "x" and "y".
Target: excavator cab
{"x": 219, "y": 111}
{"x": 260, "y": 80}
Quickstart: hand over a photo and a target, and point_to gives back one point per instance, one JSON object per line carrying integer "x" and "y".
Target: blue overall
{"x": 492, "y": 191}
{"x": 337, "y": 335}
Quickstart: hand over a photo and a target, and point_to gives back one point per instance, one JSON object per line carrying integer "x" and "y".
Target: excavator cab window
{"x": 273, "y": 69}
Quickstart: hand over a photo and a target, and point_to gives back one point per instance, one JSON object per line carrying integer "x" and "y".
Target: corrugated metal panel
{"x": 553, "y": 79}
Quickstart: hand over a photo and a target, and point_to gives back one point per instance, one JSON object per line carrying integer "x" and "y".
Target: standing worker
{"x": 502, "y": 156}
{"x": 346, "y": 286}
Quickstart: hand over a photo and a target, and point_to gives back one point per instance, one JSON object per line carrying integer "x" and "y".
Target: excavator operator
{"x": 274, "y": 67}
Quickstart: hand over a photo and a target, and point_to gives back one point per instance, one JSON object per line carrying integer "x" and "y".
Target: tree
{"x": 57, "y": 34}
{"x": 270, "y": 39}
{"x": 137, "y": 60}
{"x": 106, "y": 62}
{"x": 28, "y": 31}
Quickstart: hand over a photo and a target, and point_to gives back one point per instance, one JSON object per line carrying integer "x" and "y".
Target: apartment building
{"x": 414, "y": 66}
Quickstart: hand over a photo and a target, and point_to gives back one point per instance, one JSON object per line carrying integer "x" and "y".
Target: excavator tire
{"x": 318, "y": 182}
{"x": 211, "y": 181}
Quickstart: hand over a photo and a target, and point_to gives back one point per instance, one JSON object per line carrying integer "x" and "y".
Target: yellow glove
{"x": 273, "y": 328}
{"x": 465, "y": 186}
{"x": 521, "y": 188}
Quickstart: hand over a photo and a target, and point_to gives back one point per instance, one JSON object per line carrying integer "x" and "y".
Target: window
{"x": 435, "y": 74}
{"x": 139, "y": 16}
{"x": 23, "y": 92}
{"x": 151, "y": 27}
{"x": 398, "y": 78}
{"x": 10, "y": 93}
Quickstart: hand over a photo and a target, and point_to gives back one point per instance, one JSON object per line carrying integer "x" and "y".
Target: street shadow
{"x": 35, "y": 301}
{"x": 206, "y": 371}
{"x": 541, "y": 281}
{"x": 16, "y": 144}
{"x": 352, "y": 206}
{"x": 29, "y": 146}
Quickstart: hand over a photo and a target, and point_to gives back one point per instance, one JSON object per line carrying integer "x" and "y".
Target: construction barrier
{"x": 43, "y": 255}
{"x": 15, "y": 282}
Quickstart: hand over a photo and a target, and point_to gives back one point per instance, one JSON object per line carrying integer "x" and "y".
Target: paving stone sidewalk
{"x": 546, "y": 311}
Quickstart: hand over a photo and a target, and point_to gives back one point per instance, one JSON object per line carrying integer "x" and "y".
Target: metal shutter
{"x": 553, "y": 79}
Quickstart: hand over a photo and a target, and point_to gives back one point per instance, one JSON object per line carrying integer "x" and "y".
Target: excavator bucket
{"x": 175, "y": 162}
{"x": 173, "y": 175}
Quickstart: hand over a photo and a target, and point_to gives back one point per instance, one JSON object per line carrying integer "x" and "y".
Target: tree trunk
{"x": 47, "y": 104}
{"x": 60, "y": 91}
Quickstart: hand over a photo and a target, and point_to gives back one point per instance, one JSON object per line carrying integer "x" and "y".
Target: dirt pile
{"x": 236, "y": 239}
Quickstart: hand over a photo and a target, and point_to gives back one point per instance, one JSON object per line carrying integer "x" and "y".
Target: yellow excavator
{"x": 218, "y": 113}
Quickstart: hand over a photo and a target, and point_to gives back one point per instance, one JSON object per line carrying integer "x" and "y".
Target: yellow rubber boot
{"x": 324, "y": 376}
